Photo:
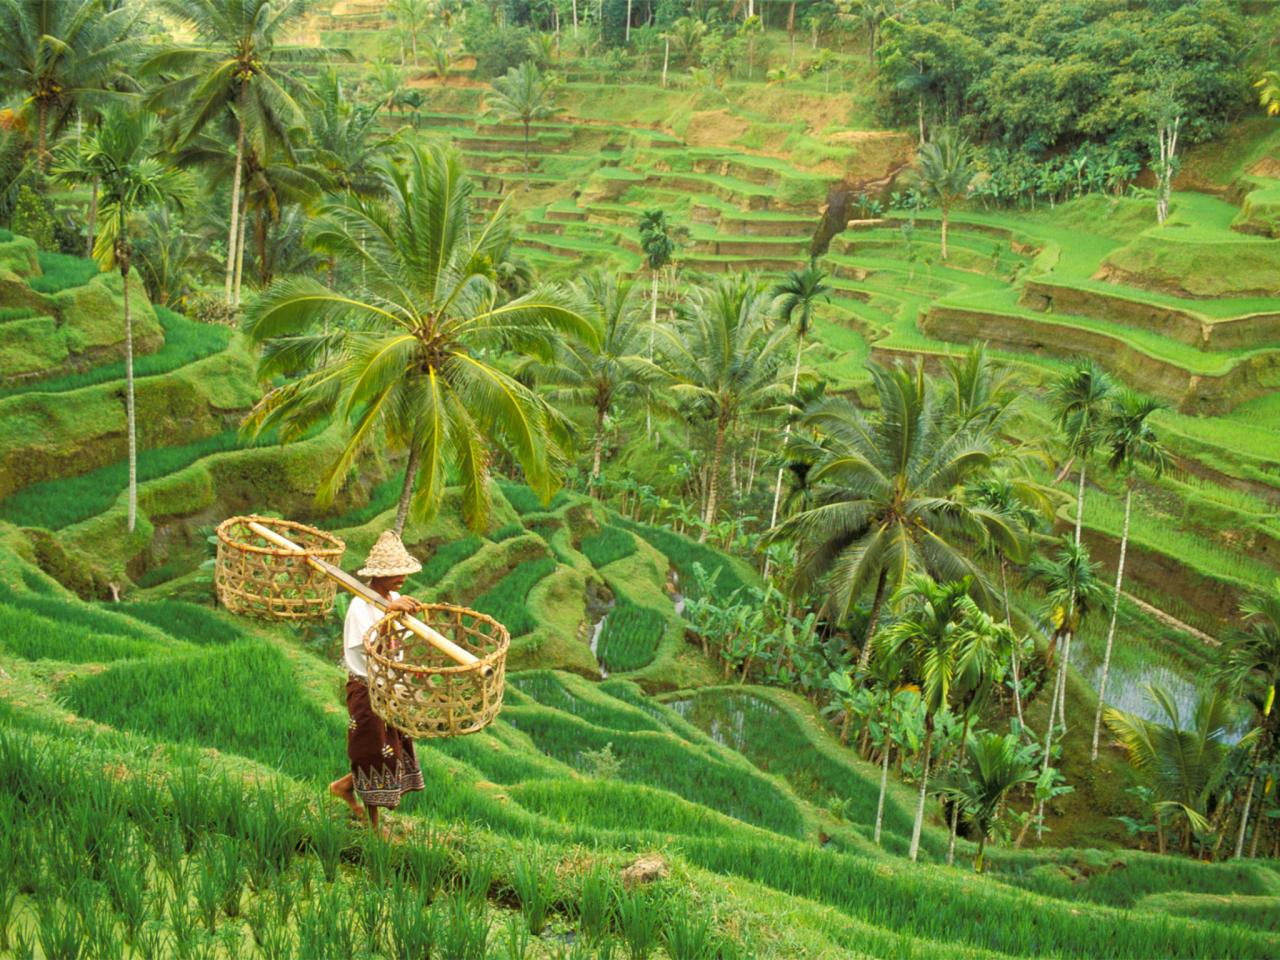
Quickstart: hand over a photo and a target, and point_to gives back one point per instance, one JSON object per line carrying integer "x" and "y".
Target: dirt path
{"x": 1170, "y": 620}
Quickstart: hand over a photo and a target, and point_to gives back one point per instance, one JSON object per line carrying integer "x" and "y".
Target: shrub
{"x": 33, "y": 218}
{"x": 213, "y": 308}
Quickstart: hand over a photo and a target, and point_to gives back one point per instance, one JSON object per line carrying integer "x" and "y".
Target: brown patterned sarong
{"x": 383, "y": 762}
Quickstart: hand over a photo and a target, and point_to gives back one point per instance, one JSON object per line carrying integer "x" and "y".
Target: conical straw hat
{"x": 389, "y": 558}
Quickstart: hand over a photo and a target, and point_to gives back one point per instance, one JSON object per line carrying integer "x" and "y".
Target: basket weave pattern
{"x": 419, "y": 690}
{"x": 259, "y": 579}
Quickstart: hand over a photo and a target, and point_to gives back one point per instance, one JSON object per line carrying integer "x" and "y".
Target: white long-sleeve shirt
{"x": 361, "y": 616}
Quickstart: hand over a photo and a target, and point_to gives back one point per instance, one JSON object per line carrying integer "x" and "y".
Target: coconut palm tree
{"x": 236, "y": 64}
{"x": 1072, "y": 591}
{"x": 933, "y": 635}
{"x": 980, "y": 395}
{"x": 1249, "y": 664}
{"x": 63, "y": 55}
{"x": 1080, "y": 399}
{"x": 523, "y": 95}
{"x": 944, "y": 173}
{"x": 601, "y": 372}
{"x": 1185, "y": 766}
{"x": 994, "y": 764}
{"x": 1130, "y": 440}
{"x": 887, "y": 498}
{"x": 658, "y": 242}
{"x": 411, "y": 363}
{"x": 120, "y": 156}
{"x": 724, "y": 361}
{"x": 793, "y": 300}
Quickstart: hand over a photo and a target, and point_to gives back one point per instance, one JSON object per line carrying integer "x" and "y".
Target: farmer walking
{"x": 383, "y": 763}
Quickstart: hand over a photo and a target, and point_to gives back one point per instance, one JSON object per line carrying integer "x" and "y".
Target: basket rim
{"x": 489, "y": 660}
{"x": 337, "y": 548}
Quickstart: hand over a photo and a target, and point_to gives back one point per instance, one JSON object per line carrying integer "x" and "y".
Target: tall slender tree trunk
{"x": 130, "y": 412}
{"x": 627, "y": 36}
{"x": 406, "y": 490}
{"x": 1008, "y": 619}
{"x": 1080, "y": 500}
{"x": 1244, "y": 816}
{"x": 791, "y": 32}
{"x": 864, "y": 656}
{"x": 526, "y": 155}
{"x": 1059, "y": 683}
{"x": 979, "y": 862}
{"x": 244, "y": 222}
{"x": 884, "y": 783}
{"x": 713, "y": 482}
{"x": 666, "y": 58}
{"x": 751, "y": 462}
{"x": 575, "y": 17}
{"x": 914, "y": 852}
{"x": 653, "y": 333}
{"x": 597, "y": 449}
{"x": 786, "y": 435}
{"x": 955, "y": 807}
{"x": 233, "y": 234}
{"x": 42, "y": 118}
{"x": 91, "y": 220}
{"x": 1258, "y": 824}
{"x": 1115, "y": 610}
{"x": 946, "y": 215}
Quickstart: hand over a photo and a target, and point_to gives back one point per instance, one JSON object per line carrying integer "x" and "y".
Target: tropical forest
{"x": 639, "y": 479}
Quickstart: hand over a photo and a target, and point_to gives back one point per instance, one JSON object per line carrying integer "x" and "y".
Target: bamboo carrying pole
{"x": 352, "y": 585}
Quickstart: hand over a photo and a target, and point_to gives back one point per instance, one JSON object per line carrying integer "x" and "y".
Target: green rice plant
{"x": 594, "y": 909}
{"x": 507, "y": 532}
{"x": 415, "y": 931}
{"x": 370, "y": 908}
{"x": 229, "y": 865}
{"x": 324, "y": 926}
{"x": 523, "y": 500}
{"x": 464, "y": 929}
{"x": 54, "y": 504}
{"x": 610, "y": 544}
{"x": 273, "y": 831}
{"x": 688, "y": 934}
{"x": 15, "y": 313}
{"x": 24, "y": 947}
{"x": 532, "y": 885}
{"x": 126, "y": 886}
{"x": 191, "y": 804}
{"x": 327, "y": 839}
{"x": 477, "y": 876}
{"x": 243, "y": 698}
{"x": 185, "y": 341}
{"x": 426, "y": 865}
{"x": 442, "y": 560}
{"x": 516, "y": 945}
{"x": 277, "y": 943}
{"x": 630, "y": 636}
{"x": 506, "y": 600}
{"x": 8, "y": 900}
{"x": 639, "y": 919}
{"x": 185, "y": 621}
{"x": 582, "y": 699}
{"x": 684, "y": 553}
{"x": 61, "y": 271}
{"x": 206, "y": 890}
{"x": 59, "y": 931}
{"x": 33, "y": 637}
{"x": 378, "y": 858}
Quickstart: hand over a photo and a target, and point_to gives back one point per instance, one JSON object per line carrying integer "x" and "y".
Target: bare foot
{"x": 343, "y": 789}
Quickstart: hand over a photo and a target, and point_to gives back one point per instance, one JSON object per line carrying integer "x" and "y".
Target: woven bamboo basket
{"x": 261, "y": 579}
{"x": 416, "y": 688}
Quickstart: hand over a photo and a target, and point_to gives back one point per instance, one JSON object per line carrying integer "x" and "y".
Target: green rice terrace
{"x": 863, "y": 418}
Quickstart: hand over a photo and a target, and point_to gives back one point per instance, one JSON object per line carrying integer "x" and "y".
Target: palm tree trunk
{"x": 979, "y": 861}
{"x": 130, "y": 412}
{"x": 666, "y": 58}
{"x": 713, "y": 483}
{"x": 1059, "y": 682}
{"x": 91, "y": 220}
{"x": 653, "y": 333}
{"x": 42, "y": 152}
{"x": 526, "y": 155}
{"x": 1244, "y": 816}
{"x": 1080, "y": 501}
{"x": 575, "y": 17}
{"x": 946, "y": 214}
{"x": 232, "y": 232}
{"x": 1115, "y": 610}
{"x": 914, "y": 852}
{"x": 1008, "y": 619}
{"x": 244, "y": 222}
{"x": 864, "y": 656}
{"x": 1258, "y": 824}
{"x": 1062, "y": 687}
{"x": 627, "y": 36}
{"x": 406, "y": 491}
{"x": 260, "y": 235}
{"x": 786, "y": 435}
{"x": 597, "y": 448}
{"x": 884, "y": 783}
{"x": 955, "y": 809}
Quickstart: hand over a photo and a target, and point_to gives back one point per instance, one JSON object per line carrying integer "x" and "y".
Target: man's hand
{"x": 404, "y": 605}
